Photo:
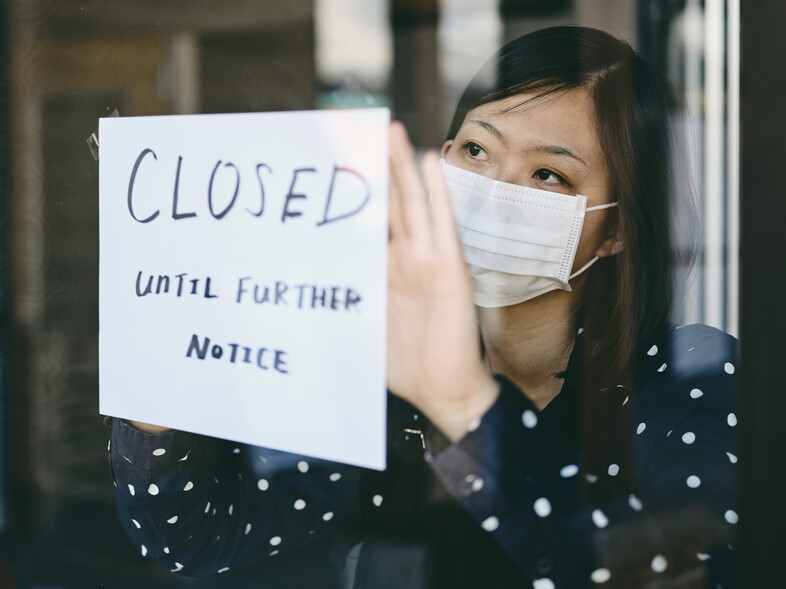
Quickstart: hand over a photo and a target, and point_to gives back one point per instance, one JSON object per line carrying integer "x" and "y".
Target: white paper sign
{"x": 243, "y": 277}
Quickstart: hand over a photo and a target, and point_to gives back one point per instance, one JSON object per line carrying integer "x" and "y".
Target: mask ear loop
{"x": 598, "y": 207}
{"x": 596, "y": 258}
{"x": 583, "y": 268}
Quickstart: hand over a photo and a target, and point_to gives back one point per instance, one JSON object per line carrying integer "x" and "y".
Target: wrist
{"x": 148, "y": 427}
{"x": 476, "y": 399}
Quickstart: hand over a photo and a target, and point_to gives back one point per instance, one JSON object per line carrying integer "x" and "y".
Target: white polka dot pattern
{"x": 490, "y": 524}
{"x": 600, "y": 576}
{"x": 529, "y": 419}
{"x": 695, "y": 412}
{"x": 542, "y": 507}
{"x": 599, "y": 518}
{"x": 659, "y": 563}
{"x": 568, "y": 471}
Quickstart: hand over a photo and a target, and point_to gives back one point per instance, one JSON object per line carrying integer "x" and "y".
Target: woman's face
{"x": 549, "y": 143}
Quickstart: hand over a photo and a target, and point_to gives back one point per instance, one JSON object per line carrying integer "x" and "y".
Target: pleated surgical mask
{"x": 518, "y": 242}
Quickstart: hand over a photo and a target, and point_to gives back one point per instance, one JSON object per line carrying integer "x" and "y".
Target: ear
{"x": 445, "y": 148}
{"x": 611, "y": 246}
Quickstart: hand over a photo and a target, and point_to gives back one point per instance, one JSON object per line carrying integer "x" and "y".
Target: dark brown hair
{"x": 627, "y": 298}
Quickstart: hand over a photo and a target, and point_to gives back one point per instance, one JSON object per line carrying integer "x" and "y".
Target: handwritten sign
{"x": 243, "y": 277}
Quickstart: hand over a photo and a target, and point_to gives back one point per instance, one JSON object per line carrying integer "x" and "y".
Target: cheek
{"x": 591, "y": 236}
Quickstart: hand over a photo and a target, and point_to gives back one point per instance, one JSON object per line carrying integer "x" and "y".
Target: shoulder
{"x": 691, "y": 367}
{"x": 692, "y": 351}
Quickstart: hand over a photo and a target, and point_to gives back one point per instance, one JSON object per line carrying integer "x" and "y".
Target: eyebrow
{"x": 558, "y": 151}
{"x": 491, "y": 129}
{"x": 555, "y": 150}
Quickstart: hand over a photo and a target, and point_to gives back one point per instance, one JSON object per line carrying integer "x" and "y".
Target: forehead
{"x": 566, "y": 119}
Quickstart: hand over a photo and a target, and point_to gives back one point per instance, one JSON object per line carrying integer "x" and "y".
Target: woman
{"x": 602, "y": 449}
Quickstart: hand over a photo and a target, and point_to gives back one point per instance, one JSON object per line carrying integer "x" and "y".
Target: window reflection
{"x": 72, "y": 62}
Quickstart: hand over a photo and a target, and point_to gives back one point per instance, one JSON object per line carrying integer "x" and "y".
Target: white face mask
{"x": 519, "y": 242}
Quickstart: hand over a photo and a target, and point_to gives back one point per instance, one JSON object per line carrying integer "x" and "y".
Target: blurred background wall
{"x": 67, "y": 62}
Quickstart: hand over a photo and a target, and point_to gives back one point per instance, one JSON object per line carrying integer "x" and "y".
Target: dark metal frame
{"x": 763, "y": 313}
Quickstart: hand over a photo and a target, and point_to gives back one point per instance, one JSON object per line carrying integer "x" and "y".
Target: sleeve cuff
{"x": 150, "y": 451}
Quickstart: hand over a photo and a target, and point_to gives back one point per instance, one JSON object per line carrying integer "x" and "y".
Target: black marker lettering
{"x": 281, "y": 288}
{"x": 240, "y": 289}
{"x": 131, "y": 187}
{"x": 366, "y": 197}
{"x": 260, "y": 354}
{"x": 279, "y": 363}
{"x": 180, "y": 283}
{"x": 334, "y": 297}
{"x": 353, "y": 298}
{"x": 208, "y": 295}
{"x": 194, "y": 347}
{"x": 176, "y": 193}
{"x": 210, "y": 190}
{"x": 261, "y": 191}
{"x": 162, "y": 279}
{"x": 292, "y": 196}
{"x": 148, "y": 288}
{"x": 265, "y": 294}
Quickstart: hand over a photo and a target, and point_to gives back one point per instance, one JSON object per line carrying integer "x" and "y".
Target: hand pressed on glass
{"x": 434, "y": 357}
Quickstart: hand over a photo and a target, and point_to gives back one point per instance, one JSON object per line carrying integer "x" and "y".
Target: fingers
{"x": 397, "y": 225}
{"x": 408, "y": 203}
{"x": 442, "y": 219}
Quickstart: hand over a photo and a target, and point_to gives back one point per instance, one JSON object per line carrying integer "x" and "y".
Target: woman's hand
{"x": 433, "y": 344}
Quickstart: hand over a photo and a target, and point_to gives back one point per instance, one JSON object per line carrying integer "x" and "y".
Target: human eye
{"x": 475, "y": 151}
{"x": 550, "y": 178}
